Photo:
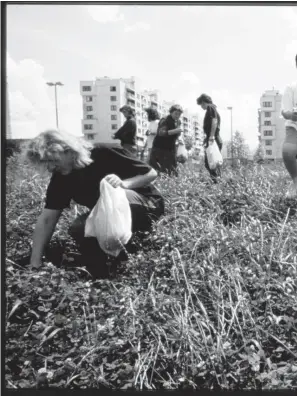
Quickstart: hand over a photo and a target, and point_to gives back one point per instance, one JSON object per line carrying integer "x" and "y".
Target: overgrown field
{"x": 208, "y": 301}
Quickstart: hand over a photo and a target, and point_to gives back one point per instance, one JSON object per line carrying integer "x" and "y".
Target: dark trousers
{"x": 214, "y": 173}
{"x": 164, "y": 161}
{"x": 143, "y": 211}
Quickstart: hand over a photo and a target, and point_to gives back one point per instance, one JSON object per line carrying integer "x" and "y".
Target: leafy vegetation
{"x": 208, "y": 301}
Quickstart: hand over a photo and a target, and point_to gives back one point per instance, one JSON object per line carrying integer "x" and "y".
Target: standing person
{"x": 127, "y": 133}
{"x": 211, "y": 127}
{"x": 153, "y": 118}
{"x": 289, "y": 112}
{"x": 163, "y": 153}
{"x": 77, "y": 169}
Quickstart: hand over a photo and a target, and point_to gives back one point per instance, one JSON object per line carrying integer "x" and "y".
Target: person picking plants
{"x": 163, "y": 153}
{"x": 211, "y": 127}
{"x": 127, "y": 133}
{"x": 289, "y": 152}
{"x": 77, "y": 168}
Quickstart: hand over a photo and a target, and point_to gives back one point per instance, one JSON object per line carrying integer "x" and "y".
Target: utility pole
{"x": 51, "y": 84}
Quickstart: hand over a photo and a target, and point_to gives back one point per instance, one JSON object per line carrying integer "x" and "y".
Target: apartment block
{"x": 271, "y": 124}
{"x": 103, "y": 98}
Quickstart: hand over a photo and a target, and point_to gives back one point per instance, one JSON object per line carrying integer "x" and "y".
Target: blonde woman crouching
{"x": 77, "y": 168}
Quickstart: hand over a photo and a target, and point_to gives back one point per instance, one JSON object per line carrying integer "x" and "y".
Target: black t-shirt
{"x": 83, "y": 185}
{"x": 127, "y": 133}
{"x": 211, "y": 113}
{"x": 166, "y": 142}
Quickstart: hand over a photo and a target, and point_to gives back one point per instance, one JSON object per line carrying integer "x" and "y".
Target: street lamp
{"x": 231, "y": 108}
{"x": 56, "y": 104}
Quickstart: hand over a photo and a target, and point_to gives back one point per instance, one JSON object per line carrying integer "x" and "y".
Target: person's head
{"x": 59, "y": 152}
{"x": 204, "y": 100}
{"x": 152, "y": 114}
{"x": 176, "y": 111}
{"x": 127, "y": 111}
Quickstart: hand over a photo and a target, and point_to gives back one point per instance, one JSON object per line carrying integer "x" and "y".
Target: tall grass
{"x": 209, "y": 301}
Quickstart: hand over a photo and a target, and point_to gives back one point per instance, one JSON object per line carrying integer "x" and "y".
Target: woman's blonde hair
{"x": 39, "y": 148}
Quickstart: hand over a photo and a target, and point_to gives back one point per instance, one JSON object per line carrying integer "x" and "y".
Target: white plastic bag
{"x": 214, "y": 155}
{"x": 110, "y": 220}
{"x": 181, "y": 153}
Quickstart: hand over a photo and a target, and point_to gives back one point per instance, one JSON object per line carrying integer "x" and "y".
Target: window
{"x": 138, "y": 96}
{"x": 113, "y": 98}
{"x": 267, "y": 104}
{"x": 267, "y": 122}
{"x": 113, "y": 89}
{"x": 89, "y": 98}
{"x": 89, "y": 108}
{"x": 86, "y": 88}
{"x": 269, "y": 152}
{"x": 90, "y": 117}
{"x": 267, "y": 114}
{"x": 88, "y": 126}
{"x": 113, "y": 117}
{"x": 113, "y": 108}
{"x": 90, "y": 136}
{"x": 268, "y": 143}
{"x": 114, "y": 126}
{"x": 267, "y": 133}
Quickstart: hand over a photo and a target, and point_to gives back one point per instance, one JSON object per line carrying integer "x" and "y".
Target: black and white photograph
{"x": 150, "y": 204}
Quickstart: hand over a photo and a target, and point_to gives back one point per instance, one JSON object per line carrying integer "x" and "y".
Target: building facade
{"x": 103, "y": 98}
{"x": 271, "y": 124}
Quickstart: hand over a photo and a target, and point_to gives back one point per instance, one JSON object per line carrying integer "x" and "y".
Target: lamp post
{"x": 51, "y": 84}
{"x": 231, "y": 108}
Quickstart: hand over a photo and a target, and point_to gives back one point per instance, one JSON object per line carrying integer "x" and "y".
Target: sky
{"x": 232, "y": 53}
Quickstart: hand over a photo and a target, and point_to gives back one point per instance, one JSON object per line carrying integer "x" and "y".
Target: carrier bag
{"x": 181, "y": 153}
{"x": 214, "y": 155}
{"x": 110, "y": 221}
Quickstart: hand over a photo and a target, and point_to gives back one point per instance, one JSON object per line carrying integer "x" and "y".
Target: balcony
{"x": 131, "y": 103}
{"x": 130, "y": 89}
{"x": 130, "y": 96}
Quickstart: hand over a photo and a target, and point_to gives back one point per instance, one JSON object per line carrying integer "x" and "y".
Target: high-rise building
{"x": 103, "y": 98}
{"x": 271, "y": 124}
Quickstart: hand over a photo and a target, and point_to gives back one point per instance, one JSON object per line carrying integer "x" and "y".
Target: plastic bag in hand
{"x": 110, "y": 220}
{"x": 214, "y": 155}
{"x": 181, "y": 153}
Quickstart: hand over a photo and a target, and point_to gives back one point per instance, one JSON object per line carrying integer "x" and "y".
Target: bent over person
{"x": 289, "y": 112}
{"x": 163, "y": 152}
{"x": 77, "y": 169}
{"x": 211, "y": 127}
{"x": 127, "y": 133}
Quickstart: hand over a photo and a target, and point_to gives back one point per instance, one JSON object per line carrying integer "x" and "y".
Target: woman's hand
{"x": 114, "y": 180}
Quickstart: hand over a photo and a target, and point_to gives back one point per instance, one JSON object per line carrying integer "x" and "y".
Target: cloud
{"x": 105, "y": 13}
{"x": 31, "y": 101}
{"x": 289, "y": 14}
{"x": 137, "y": 26}
{"x": 290, "y": 51}
{"x": 190, "y": 77}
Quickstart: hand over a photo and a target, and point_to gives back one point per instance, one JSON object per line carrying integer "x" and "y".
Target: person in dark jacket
{"x": 211, "y": 127}
{"x": 77, "y": 168}
{"x": 127, "y": 133}
{"x": 163, "y": 153}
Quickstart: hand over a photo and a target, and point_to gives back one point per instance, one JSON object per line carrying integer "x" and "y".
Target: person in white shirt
{"x": 289, "y": 152}
{"x": 153, "y": 118}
